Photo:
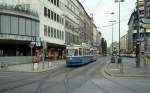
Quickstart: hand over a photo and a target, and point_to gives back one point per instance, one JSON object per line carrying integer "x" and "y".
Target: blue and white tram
{"x": 79, "y": 55}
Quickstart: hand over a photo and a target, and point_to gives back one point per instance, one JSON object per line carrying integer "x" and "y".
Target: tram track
{"x": 45, "y": 81}
{"x": 108, "y": 78}
{"x": 28, "y": 81}
{"x": 71, "y": 75}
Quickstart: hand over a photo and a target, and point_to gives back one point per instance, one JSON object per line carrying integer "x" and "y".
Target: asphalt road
{"x": 84, "y": 79}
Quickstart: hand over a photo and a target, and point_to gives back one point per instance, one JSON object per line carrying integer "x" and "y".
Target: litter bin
{"x": 112, "y": 59}
{"x": 119, "y": 60}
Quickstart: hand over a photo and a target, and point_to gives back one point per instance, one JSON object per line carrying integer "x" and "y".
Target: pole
{"x": 112, "y": 39}
{"x": 43, "y": 57}
{"x": 119, "y": 58}
{"x": 112, "y": 58}
{"x": 138, "y": 37}
{"x": 31, "y": 52}
{"x": 119, "y": 29}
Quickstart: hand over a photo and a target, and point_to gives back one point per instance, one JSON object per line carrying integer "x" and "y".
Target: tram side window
{"x": 76, "y": 52}
{"x": 71, "y": 52}
{"x": 80, "y": 51}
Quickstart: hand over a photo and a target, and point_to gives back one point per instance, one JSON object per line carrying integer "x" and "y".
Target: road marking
{"x": 4, "y": 76}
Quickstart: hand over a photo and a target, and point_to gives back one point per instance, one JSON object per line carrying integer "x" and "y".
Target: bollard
{"x": 145, "y": 61}
{"x": 121, "y": 64}
{"x": 113, "y": 59}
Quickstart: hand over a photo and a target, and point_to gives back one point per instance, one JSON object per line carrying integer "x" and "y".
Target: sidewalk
{"x": 29, "y": 67}
{"x": 129, "y": 69}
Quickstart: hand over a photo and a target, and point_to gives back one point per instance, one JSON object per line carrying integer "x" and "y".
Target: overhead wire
{"x": 105, "y": 26}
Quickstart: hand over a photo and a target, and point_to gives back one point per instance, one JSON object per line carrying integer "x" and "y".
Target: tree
{"x": 104, "y": 46}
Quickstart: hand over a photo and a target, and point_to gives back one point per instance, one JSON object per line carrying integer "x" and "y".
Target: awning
{"x": 52, "y": 45}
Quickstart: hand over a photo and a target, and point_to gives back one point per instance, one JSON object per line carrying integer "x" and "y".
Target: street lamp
{"x": 112, "y": 34}
{"x": 119, "y": 1}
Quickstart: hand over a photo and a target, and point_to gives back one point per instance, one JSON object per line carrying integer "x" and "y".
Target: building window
{"x": 62, "y": 21}
{"x": 58, "y": 3}
{"x": 57, "y": 33}
{"x": 55, "y": 1}
{"x": 52, "y": 33}
{"x": 49, "y": 13}
{"x": 52, "y": 15}
{"x": 45, "y": 30}
{"x": 52, "y": 1}
{"x": 57, "y": 18}
{"x": 62, "y": 35}
{"x": 49, "y": 33}
{"x": 45, "y": 11}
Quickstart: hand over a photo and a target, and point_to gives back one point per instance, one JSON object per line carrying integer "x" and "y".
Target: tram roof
{"x": 77, "y": 47}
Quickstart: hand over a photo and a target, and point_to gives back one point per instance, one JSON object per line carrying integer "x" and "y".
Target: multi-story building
{"x": 85, "y": 25}
{"x": 71, "y": 19}
{"x": 94, "y": 35}
{"x": 18, "y": 25}
{"x": 132, "y": 30}
{"x": 55, "y": 23}
{"x": 123, "y": 44}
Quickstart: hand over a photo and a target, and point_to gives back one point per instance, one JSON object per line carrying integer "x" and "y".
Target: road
{"x": 84, "y": 79}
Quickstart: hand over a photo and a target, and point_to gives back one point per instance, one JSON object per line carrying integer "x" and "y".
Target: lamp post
{"x": 137, "y": 39}
{"x": 119, "y": 1}
{"x": 112, "y": 34}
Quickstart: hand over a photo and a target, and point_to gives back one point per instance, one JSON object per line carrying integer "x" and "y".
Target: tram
{"x": 79, "y": 55}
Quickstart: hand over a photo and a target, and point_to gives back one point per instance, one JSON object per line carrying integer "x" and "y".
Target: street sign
{"x": 147, "y": 8}
{"x": 141, "y": 39}
{"x": 145, "y": 25}
{"x": 38, "y": 39}
{"x": 145, "y": 20}
{"x": 31, "y": 45}
{"x": 38, "y": 44}
{"x": 33, "y": 38}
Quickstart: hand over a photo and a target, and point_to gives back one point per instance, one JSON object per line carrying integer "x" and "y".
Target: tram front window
{"x": 73, "y": 52}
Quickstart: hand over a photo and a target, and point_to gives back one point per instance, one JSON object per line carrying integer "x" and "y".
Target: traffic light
{"x": 137, "y": 49}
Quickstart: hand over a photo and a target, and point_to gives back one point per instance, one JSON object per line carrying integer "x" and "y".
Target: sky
{"x": 101, "y": 10}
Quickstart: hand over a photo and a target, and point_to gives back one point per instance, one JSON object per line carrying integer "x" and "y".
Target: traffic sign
{"x": 38, "y": 44}
{"x": 33, "y": 38}
{"x": 145, "y": 25}
{"x": 31, "y": 45}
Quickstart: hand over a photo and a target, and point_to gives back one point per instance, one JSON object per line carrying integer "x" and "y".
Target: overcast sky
{"x": 102, "y": 9}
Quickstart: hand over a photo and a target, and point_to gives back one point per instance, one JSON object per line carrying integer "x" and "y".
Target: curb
{"x": 112, "y": 75}
{"x": 36, "y": 71}
{"x": 107, "y": 71}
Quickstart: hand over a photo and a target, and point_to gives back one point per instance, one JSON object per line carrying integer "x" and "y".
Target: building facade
{"x": 132, "y": 29}
{"x": 17, "y": 27}
{"x": 49, "y": 24}
{"x": 123, "y": 44}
